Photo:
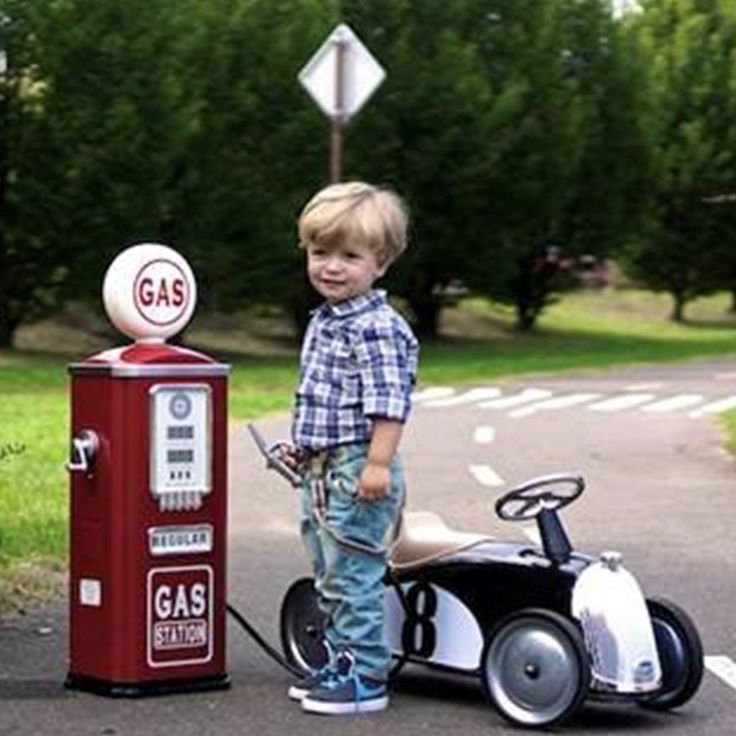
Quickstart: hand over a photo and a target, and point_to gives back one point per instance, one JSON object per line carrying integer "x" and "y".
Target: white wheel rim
{"x": 532, "y": 671}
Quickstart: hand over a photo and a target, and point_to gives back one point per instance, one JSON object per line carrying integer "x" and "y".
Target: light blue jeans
{"x": 349, "y": 583}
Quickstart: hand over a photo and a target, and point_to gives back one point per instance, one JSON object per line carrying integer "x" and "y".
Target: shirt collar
{"x": 357, "y": 304}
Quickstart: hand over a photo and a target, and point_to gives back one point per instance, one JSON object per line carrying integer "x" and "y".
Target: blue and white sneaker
{"x": 347, "y": 694}
{"x": 338, "y": 663}
{"x": 301, "y": 687}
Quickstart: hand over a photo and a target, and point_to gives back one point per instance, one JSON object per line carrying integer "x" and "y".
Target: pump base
{"x": 145, "y": 689}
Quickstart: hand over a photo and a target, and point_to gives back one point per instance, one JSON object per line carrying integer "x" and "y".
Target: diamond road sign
{"x": 361, "y": 74}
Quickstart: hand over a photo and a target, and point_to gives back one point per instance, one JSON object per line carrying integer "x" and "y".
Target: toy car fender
{"x": 612, "y": 611}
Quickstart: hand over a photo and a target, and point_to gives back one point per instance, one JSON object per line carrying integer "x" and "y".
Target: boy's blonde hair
{"x": 357, "y": 213}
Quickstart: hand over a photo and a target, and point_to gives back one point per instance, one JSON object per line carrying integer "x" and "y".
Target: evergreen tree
{"x": 689, "y": 49}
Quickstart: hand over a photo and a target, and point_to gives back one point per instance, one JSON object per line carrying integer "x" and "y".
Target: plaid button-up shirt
{"x": 358, "y": 362}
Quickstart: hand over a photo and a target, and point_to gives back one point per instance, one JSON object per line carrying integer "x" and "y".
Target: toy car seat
{"x": 425, "y": 537}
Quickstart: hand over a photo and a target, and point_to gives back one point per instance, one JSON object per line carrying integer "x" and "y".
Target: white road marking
{"x": 680, "y": 401}
{"x": 433, "y": 392}
{"x": 484, "y": 435}
{"x": 725, "y": 376}
{"x": 524, "y": 397}
{"x": 651, "y": 386}
{"x": 475, "y": 394}
{"x": 715, "y": 407}
{"x": 560, "y": 402}
{"x": 722, "y": 667}
{"x": 487, "y": 476}
{"x": 616, "y": 403}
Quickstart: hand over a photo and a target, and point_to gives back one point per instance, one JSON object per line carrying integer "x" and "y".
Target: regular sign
{"x": 342, "y": 74}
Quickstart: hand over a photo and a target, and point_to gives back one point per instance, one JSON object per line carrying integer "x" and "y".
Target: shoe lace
{"x": 341, "y": 671}
{"x": 347, "y": 675}
{"x": 329, "y": 671}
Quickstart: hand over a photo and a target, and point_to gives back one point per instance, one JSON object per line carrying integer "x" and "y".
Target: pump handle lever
{"x": 84, "y": 450}
{"x": 273, "y": 461}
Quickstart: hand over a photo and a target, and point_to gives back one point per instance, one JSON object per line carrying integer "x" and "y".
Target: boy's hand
{"x": 374, "y": 482}
{"x": 288, "y": 455}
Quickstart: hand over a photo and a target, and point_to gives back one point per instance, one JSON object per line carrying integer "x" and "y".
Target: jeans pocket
{"x": 344, "y": 475}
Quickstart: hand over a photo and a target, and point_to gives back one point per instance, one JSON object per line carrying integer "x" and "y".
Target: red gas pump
{"x": 148, "y": 472}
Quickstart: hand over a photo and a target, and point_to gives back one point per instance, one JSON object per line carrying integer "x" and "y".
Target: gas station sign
{"x": 161, "y": 291}
{"x": 149, "y": 292}
{"x": 179, "y": 615}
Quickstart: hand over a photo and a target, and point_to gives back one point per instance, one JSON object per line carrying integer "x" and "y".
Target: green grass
{"x": 32, "y": 502}
{"x": 728, "y": 422}
{"x": 586, "y": 330}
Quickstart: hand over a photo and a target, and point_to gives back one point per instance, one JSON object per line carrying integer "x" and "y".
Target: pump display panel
{"x": 181, "y": 438}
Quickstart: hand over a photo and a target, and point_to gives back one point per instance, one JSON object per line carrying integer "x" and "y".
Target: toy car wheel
{"x": 534, "y": 668}
{"x": 680, "y": 655}
{"x": 302, "y": 627}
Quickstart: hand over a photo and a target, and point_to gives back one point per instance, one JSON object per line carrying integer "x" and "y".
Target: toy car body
{"x": 544, "y": 627}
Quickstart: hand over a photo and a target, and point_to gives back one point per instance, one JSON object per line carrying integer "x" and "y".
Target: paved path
{"x": 660, "y": 489}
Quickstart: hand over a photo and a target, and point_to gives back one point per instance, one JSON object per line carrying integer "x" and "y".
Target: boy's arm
{"x": 375, "y": 479}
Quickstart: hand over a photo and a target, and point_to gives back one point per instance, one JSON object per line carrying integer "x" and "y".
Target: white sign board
{"x": 361, "y": 74}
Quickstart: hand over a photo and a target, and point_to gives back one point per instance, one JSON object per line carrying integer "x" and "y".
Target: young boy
{"x": 358, "y": 365}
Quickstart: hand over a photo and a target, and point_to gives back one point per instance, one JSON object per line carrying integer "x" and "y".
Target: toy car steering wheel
{"x": 549, "y": 492}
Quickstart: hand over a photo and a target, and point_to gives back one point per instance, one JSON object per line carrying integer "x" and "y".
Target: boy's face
{"x": 338, "y": 271}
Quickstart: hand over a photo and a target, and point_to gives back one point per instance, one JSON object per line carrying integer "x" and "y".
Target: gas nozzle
{"x": 273, "y": 461}
{"x": 84, "y": 449}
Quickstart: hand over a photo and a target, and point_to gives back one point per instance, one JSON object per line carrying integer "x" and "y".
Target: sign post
{"x": 337, "y": 124}
{"x": 340, "y": 78}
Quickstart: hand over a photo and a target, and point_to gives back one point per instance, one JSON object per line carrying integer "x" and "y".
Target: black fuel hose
{"x": 273, "y": 653}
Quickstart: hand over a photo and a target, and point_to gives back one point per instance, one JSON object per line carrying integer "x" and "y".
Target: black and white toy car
{"x": 544, "y": 627}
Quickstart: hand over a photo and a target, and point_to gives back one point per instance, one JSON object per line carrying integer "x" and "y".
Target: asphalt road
{"x": 659, "y": 489}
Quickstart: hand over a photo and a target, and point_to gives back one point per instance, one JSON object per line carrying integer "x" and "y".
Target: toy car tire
{"x": 680, "y": 652}
{"x": 302, "y": 626}
{"x": 535, "y": 669}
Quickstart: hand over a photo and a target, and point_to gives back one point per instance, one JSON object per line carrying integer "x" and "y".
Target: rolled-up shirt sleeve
{"x": 385, "y": 369}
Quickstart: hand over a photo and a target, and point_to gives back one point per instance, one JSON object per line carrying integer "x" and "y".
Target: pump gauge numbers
{"x": 181, "y": 438}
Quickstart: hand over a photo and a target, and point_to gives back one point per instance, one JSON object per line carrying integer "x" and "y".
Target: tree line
{"x": 516, "y": 130}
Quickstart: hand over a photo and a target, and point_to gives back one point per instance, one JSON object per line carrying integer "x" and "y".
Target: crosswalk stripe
{"x": 528, "y": 401}
{"x": 523, "y": 397}
{"x": 722, "y": 667}
{"x": 484, "y": 435}
{"x": 680, "y": 401}
{"x": 433, "y": 392}
{"x": 486, "y": 475}
{"x": 616, "y": 403}
{"x": 475, "y": 394}
{"x": 716, "y": 407}
{"x": 560, "y": 402}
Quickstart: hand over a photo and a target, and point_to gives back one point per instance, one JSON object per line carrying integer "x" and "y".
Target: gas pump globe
{"x": 148, "y": 481}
